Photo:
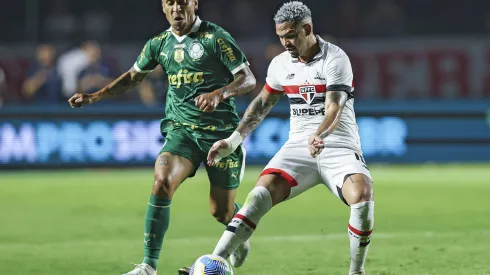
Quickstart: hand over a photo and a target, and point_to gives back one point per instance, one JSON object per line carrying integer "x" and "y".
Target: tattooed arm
{"x": 122, "y": 84}
{"x": 243, "y": 83}
{"x": 255, "y": 114}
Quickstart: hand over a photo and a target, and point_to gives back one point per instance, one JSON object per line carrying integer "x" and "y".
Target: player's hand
{"x": 315, "y": 145}
{"x": 79, "y": 99}
{"x": 219, "y": 150}
{"x": 208, "y": 102}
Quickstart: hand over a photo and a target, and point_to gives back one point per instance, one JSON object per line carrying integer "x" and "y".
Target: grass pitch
{"x": 428, "y": 220}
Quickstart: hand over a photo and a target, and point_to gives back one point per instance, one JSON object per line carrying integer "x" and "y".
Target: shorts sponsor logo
{"x": 227, "y": 164}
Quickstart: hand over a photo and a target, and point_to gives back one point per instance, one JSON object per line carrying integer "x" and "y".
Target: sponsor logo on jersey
{"x": 143, "y": 53}
{"x": 308, "y": 93}
{"x": 308, "y": 111}
{"x": 164, "y": 54}
{"x": 162, "y": 36}
{"x": 206, "y": 35}
{"x": 196, "y": 50}
{"x": 290, "y": 76}
{"x": 319, "y": 76}
{"x": 227, "y": 164}
{"x": 226, "y": 49}
{"x": 185, "y": 77}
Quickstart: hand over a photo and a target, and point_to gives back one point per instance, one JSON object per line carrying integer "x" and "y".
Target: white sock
{"x": 242, "y": 226}
{"x": 360, "y": 228}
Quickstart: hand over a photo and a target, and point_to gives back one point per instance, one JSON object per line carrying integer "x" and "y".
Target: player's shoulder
{"x": 281, "y": 59}
{"x": 332, "y": 51}
{"x": 214, "y": 28}
{"x": 162, "y": 36}
{"x": 159, "y": 38}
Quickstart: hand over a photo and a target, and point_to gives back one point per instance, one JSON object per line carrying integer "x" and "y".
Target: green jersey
{"x": 197, "y": 63}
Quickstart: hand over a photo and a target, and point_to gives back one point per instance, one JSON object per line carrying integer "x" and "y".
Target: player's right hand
{"x": 315, "y": 145}
{"x": 218, "y": 151}
{"x": 79, "y": 99}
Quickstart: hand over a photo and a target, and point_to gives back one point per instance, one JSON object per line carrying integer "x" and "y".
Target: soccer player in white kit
{"x": 323, "y": 145}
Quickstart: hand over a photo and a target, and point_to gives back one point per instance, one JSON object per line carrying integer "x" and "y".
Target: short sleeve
{"x": 229, "y": 53}
{"x": 339, "y": 72}
{"x": 272, "y": 84}
{"x": 146, "y": 61}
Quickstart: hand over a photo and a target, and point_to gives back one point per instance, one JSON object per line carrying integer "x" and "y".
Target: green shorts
{"x": 226, "y": 174}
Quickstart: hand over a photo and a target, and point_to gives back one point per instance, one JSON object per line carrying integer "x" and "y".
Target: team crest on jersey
{"x": 308, "y": 93}
{"x": 196, "y": 50}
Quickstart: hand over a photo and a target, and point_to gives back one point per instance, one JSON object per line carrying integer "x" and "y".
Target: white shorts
{"x": 294, "y": 163}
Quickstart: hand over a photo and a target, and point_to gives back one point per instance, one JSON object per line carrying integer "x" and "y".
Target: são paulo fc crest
{"x": 196, "y": 50}
{"x": 308, "y": 93}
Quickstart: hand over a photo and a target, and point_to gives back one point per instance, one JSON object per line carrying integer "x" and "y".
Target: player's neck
{"x": 186, "y": 30}
{"x": 313, "y": 50}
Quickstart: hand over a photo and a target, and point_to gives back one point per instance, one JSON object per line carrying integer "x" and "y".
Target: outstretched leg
{"x": 357, "y": 191}
{"x": 270, "y": 190}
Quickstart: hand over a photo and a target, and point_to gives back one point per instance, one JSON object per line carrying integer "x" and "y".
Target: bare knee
{"x": 222, "y": 214}
{"x": 357, "y": 188}
{"x": 278, "y": 187}
{"x": 164, "y": 187}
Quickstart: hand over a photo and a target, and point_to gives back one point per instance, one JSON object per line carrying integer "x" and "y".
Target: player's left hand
{"x": 218, "y": 151}
{"x": 208, "y": 102}
{"x": 315, "y": 145}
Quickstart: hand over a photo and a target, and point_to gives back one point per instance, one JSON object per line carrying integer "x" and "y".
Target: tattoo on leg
{"x": 163, "y": 160}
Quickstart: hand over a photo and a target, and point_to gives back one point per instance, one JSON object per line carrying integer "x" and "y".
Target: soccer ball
{"x": 211, "y": 265}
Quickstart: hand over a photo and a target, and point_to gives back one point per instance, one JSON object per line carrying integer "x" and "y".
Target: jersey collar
{"x": 195, "y": 28}
{"x": 321, "y": 44}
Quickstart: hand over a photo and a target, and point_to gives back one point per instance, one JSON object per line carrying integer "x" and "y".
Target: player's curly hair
{"x": 294, "y": 11}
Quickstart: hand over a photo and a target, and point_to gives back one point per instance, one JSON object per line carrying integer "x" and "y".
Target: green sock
{"x": 237, "y": 208}
{"x": 156, "y": 224}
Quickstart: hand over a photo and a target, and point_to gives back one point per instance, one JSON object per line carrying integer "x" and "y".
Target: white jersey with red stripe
{"x": 306, "y": 85}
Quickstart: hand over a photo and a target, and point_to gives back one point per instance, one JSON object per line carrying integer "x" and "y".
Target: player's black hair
{"x": 294, "y": 11}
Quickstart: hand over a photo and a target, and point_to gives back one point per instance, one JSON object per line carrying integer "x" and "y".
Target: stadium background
{"x": 422, "y": 74}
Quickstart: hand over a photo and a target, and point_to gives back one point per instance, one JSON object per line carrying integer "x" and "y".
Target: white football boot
{"x": 142, "y": 269}
{"x": 238, "y": 257}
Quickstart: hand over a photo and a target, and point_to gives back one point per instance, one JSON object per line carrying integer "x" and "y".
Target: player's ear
{"x": 196, "y": 4}
{"x": 163, "y": 7}
{"x": 308, "y": 28}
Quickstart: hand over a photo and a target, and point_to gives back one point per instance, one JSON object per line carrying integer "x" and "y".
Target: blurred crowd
{"x": 52, "y": 78}
{"x": 55, "y": 73}
{"x": 123, "y": 20}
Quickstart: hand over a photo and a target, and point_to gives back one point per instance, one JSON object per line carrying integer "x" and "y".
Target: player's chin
{"x": 178, "y": 25}
{"x": 294, "y": 54}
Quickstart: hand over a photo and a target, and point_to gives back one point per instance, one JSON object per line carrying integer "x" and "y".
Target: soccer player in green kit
{"x": 205, "y": 70}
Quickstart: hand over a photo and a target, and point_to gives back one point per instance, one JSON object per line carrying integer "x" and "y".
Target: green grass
{"x": 429, "y": 220}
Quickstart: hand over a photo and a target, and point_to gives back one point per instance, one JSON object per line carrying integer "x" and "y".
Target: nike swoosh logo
{"x": 164, "y": 54}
